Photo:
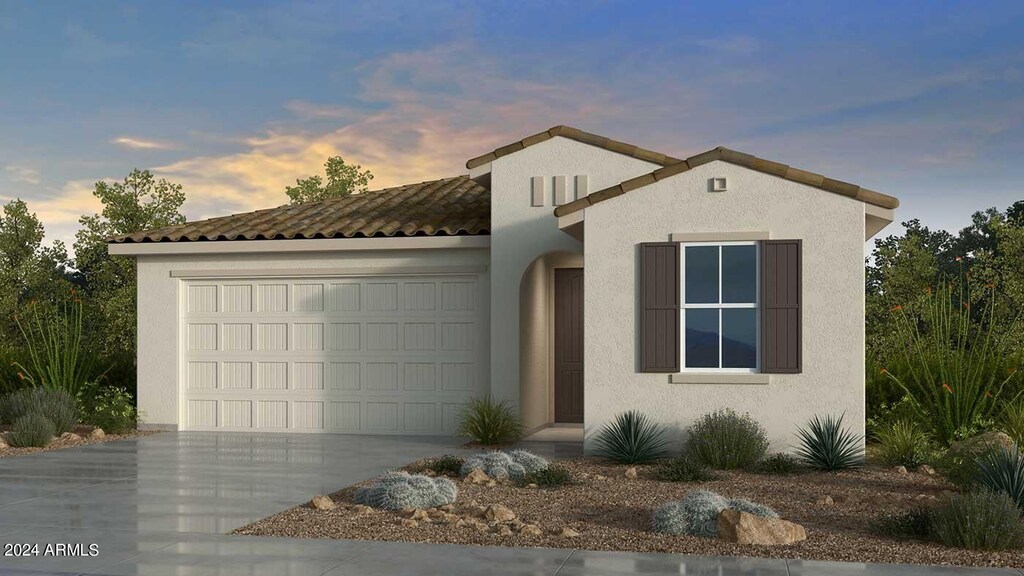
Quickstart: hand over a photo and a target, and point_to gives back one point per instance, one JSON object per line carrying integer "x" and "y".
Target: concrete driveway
{"x": 162, "y": 505}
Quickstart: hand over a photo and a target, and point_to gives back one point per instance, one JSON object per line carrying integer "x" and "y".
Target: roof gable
{"x": 579, "y": 136}
{"x": 739, "y": 158}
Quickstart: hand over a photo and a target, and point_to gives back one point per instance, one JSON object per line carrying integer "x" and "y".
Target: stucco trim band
{"x": 719, "y": 378}
{"x": 307, "y": 272}
{"x": 303, "y": 245}
{"x": 720, "y": 236}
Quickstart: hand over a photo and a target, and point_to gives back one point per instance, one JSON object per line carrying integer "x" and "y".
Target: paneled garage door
{"x": 371, "y": 355}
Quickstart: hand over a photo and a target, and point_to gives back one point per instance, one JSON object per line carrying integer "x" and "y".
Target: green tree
{"x": 139, "y": 202}
{"x": 342, "y": 179}
{"x": 28, "y": 269}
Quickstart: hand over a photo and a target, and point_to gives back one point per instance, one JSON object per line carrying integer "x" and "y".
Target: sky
{"x": 235, "y": 100}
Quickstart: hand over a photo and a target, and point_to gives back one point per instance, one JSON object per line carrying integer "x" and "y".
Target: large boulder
{"x": 970, "y": 448}
{"x": 743, "y": 528}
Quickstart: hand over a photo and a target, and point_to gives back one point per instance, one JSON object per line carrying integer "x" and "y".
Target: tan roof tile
{"x": 451, "y": 206}
{"x": 579, "y": 136}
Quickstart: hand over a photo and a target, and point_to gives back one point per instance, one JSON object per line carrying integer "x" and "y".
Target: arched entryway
{"x": 551, "y": 341}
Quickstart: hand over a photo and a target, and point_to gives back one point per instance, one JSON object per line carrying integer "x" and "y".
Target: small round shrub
{"x": 979, "y": 520}
{"x": 683, "y": 469}
{"x": 514, "y": 465}
{"x": 550, "y": 477}
{"x": 33, "y": 430}
{"x": 697, "y": 514}
{"x": 632, "y": 438}
{"x": 779, "y": 463}
{"x": 56, "y": 405}
{"x": 401, "y": 490}
{"x": 915, "y": 523}
{"x": 490, "y": 423}
{"x": 447, "y": 465}
{"x": 725, "y": 440}
{"x": 903, "y": 442}
{"x": 108, "y": 407}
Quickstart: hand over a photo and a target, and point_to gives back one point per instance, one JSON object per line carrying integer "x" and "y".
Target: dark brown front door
{"x": 569, "y": 345}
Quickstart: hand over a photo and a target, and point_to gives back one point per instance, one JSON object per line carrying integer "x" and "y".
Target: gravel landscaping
{"x": 83, "y": 436}
{"x": 607, "y": 510}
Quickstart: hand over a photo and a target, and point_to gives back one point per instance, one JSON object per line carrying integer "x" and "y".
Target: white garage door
{"x": 372, "y": 355}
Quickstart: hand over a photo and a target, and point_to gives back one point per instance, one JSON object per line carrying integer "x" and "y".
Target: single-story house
{"x": 573, "y": 275}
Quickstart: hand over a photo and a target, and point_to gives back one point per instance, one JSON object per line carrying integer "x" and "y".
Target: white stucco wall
{"x": 832, "y": 229}
{"x": 520, "y": 233}
{"x": 158, "y": 305}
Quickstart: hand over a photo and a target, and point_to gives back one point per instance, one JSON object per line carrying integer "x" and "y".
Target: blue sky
{"x": 921, "y": 100}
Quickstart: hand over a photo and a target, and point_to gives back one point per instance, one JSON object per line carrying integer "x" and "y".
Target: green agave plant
{"x": 1002, "y": 470}
{"x": 632, "y": 438}
{"x": 826, "y": 445}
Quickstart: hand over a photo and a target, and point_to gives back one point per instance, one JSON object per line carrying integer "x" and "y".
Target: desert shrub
{"x": 513, "y": 465}
{"x": 448, "y": 465}
{"x": 108, "y": 407}
{"x": 550, "y": 477}
{"x": 979, "y": 520}
{"x": 56, "y": 405}
{"x": 490, "y": 423}
{"x": 683, "y": 469}
{"x": 1002, "y": 471}
{"x": 915, "y": 523}
{"x": 401, "y": 490}
{"x": 955, "y": 369}
{"x": 697, "y": 514}
{"x": 884, "y": 415}
{"x": 56, "y": 354}
{"x": 778, "y": 463}
{"x": 725, "y": 440}
{"x": 903, "y": 443}
{"x": 1011, "y": 421}
{"x": 33, "y": 430}
{"x": 632, "y": 438}
{"x": 826, "y": 445}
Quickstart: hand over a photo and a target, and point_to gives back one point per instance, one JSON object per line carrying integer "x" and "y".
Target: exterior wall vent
{"x": 718, "y": 185}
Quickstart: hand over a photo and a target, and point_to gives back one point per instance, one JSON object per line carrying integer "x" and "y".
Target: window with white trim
{"x": 720, "y": 300}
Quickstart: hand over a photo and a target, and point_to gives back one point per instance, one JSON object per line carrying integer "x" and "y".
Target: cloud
{"x": 310, "y": 110}
{"x": 86, "y": 46}
{"x": 735, "y": 45}
{"x": 141, "y": 143}
{"x": 19, "y": 173}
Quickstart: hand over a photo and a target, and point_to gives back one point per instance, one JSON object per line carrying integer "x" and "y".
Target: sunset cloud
{"x": 141, "y": 143}
{"x": 19, "y": 173}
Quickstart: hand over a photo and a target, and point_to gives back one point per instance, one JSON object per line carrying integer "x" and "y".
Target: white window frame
{"x": 683, "y": 306}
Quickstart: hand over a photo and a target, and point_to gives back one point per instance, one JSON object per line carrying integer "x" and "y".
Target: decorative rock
{"x": 447, "y": 507}
{"x": 3, "y": 442}
{"x": 531, "y": 530}
{"x": 409, "y": 523}
{"x": 477, "y": 477}
{"x": 926, "y": 470}
{"x": 361, "y": 509}
{"x": 531, "y": 485}
{"x": 416, "y": 514}
{"x": 743, "y": 528}
{"x": 825, "y": 501}
{"x": 567, "y": 532}
{"x": 70, "y": 437}
{"x": 499, "y": 513}
{"x": 477, "y": 511}
{"x": 451, "y": 519}
{"x": 502, "y": 530}
{"x": 598, "y": 477}
{"x": 631, "y": 472}
{"x": 491, "y": 483}
{"x": 97, "y": 433}
{"x": 970, "y": 448}
{"x": 481, "y": 526}
{"x": 321, "y": 502}
{"x": 900, "y": 469}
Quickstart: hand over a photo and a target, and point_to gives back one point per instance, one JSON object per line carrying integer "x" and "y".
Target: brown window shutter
{"x": 659, "y": 307}
{"x": 781, "y": 278}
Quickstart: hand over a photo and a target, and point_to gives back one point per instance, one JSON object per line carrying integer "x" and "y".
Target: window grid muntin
{"x": 683, "y": 306}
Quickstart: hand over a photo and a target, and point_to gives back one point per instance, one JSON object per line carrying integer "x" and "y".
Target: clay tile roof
{"x": 741, "y": 159}
{"x": 451, "y": 206}
{"x": 579, "y": 136}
